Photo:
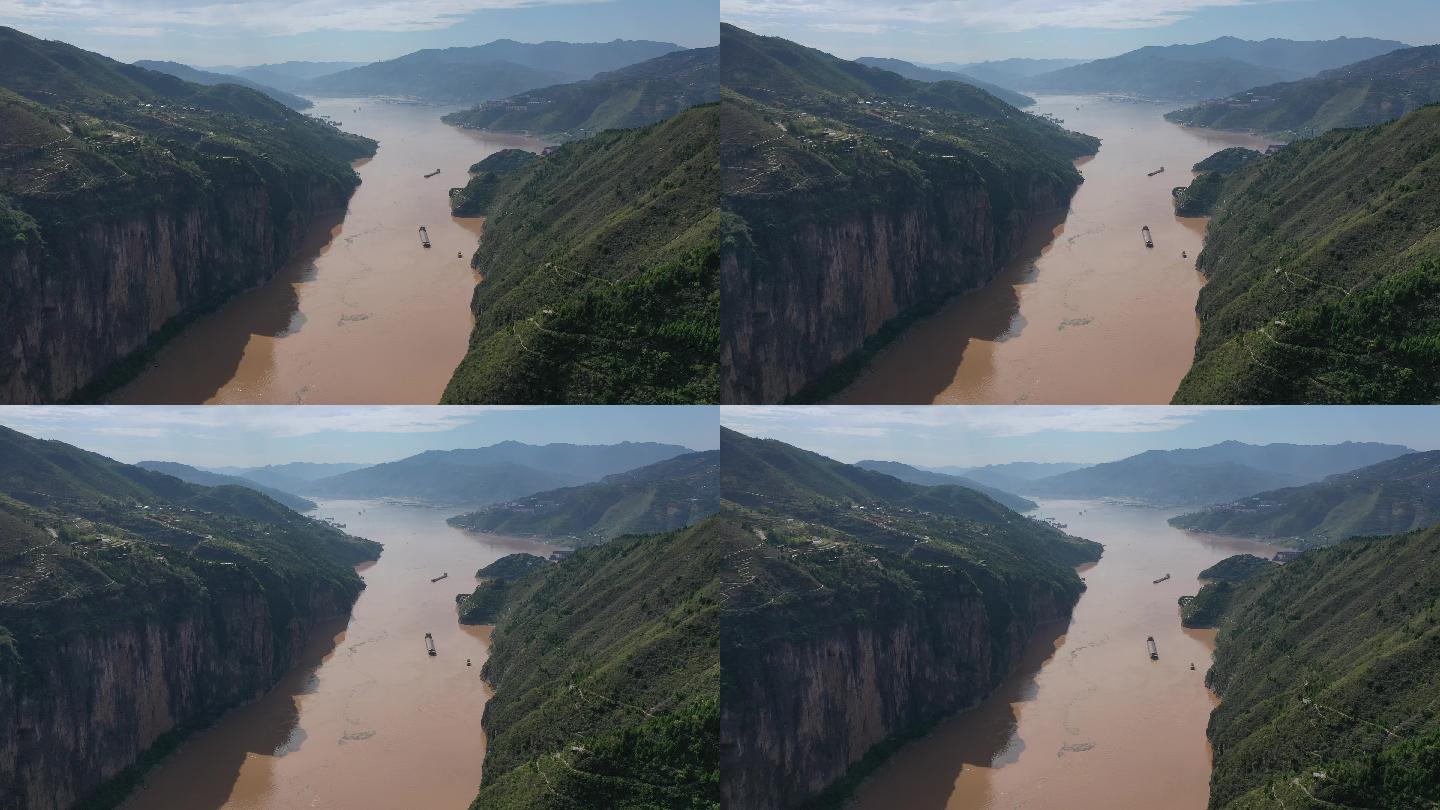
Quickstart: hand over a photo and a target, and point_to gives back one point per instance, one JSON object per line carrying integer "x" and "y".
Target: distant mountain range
{"x": 1211, "y": 69}
{"x": 929, "y": 478}
{"x": 1007, "y": 72}
{"x": 1362, "y": 94}
{"x": 659, "y": 497}
{"x": 1010, "y": 476}
{"x": 632, "y": 96}
{"x": 205, "y": 77}
{"x": 288, "y": 75}
{"x": 1215, "y": 474}
{"x": 205, "y": 478}
{"x": 483, "y": 72}
{"x": 1395, "y": 496}
{"x": 501, "y": 472}
{"x": 926, "y": 74}
{"x": 288, "y": 477}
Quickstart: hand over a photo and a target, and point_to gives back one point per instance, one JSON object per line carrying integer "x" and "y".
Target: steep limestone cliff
{"x": 78, "y": 711}
{"x": 818, "y": 289}
{"x": 97, "y": 290}
{"x": 805, "y": 710}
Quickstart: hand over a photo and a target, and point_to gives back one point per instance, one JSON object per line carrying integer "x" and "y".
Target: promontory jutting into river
{"x": 367, "y": 718}
{"x": 1088, "y": 314}
{"x": 364, "y": 314}
{"x": 1089, "y": 720}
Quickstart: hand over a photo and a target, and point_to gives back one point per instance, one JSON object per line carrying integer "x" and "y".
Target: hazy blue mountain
{"x": 210, "y": 479}
{"x": 482, "y": 72}
{"x": 929, "y": 478}
{"x": 1362, "y": 94}
{"x": 925, "y": 74}
{"x": 288, "y": 477}
{"x": 205, "y": 77}
{"x": 501, "y": 472}
{"x": 1008, "y": 72}
{"x": 1211, "y": 69}
{"x": 289, "y": 75}
{"x": 1011, "y": 476}
{"x": 1215, "y": 474}
{"x": 1392, "y": 497}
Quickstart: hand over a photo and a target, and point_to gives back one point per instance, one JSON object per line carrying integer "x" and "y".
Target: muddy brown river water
{"x": 1085, "y": 313}
{"x": 1088, "y": 720}
{"x": 363, "y": 314}
{"x": 367, "y": 719}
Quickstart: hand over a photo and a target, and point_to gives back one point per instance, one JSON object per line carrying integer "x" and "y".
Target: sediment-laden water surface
{"x": 364, "y": 313}
{"x": 1088, "y": 721}
{"x": 1086, "y": 313}
{"x": 367, "y": 719}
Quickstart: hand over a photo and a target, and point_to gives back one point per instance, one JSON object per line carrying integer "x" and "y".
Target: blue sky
{"x": 977, "y": 30}
{"x": 249, "y": 32}
{"x": 246, "y": 436}
{"x": 938, "y": 436}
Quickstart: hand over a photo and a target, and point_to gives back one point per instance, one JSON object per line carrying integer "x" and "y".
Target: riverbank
{"x": 363, "y": 313}
{"x": 1088, "y": 721}
{"x": 1093, "y": 316}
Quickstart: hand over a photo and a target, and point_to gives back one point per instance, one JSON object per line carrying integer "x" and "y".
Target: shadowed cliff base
{"x": 991, "y": 313}
{"x": 211, "y": 344}
{"x": 936, "y": 755}
{"x": 268, "y": 727}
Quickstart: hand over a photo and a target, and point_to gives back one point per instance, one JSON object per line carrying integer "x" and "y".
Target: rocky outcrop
{"x": 801, "y": 711}
{"x": 98, "y": 287}
{"x": 802, "y": 299}
{"x": 81, "y": 708}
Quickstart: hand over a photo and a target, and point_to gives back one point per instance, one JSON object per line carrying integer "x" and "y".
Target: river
{"x": 363, "y": 313}
{"x": 366, "y": 719}
{"x": 1085, "y": 313}
{"x": 1088, "y": 720}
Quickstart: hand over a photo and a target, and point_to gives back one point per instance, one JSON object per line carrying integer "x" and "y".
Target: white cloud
{"x": 273, "y": 17}
{"x": 868, "y": 16}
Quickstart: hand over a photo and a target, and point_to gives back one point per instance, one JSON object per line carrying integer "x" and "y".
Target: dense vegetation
{"x": 483, "y": 605}
{"x": 937, "y": 479}
{"x": 600, "y": 273}
{"x": 209, "y": 479}
{"x": 486, "y": 180}
{"x": 1328, "y": 670}
{"x": 1394, "y": 496}
{"x": 632, "y": 96}
{"x": 1198, "y": 199}
{"x": 1236, "y": 568}
{"x": 824, "y": 521}
{"x": 606, "y": 671}
{"x": 205, "y": 77}
{"x": 1208, "y": 69}
{"x": 86, "y": 542}
{"x": 810, "y": 140}
{"x": 482, "y": 72}
{"x": 1322, "y": 273}
{"x": 660, "y": 497}
{"x": 1362, "y": 94}
{"x": 86, "y": 136}
{"x": 925, "y": 74}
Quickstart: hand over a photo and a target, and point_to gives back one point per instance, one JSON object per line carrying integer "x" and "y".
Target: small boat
{"x": 1161, "y": 579}
{"x": 1149, "y": 642}
{"x": 442, "y": 576}
{"x": 1145, "y": 232}
{"x": 1157, "y": 171}
{"x": 467, "y": 663}
{"x": 430, "y": 643}
{"x": 432, "y": 174}
{"x": 1184, "y": 255}
{"x": 424, "y": 236}
{"x": 1192, "y": 664}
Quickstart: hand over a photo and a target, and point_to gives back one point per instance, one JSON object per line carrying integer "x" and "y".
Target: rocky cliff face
{"x": 800, "y": 300}
{"x": 805, "y": 710}
{"x": 96, "y": 289}
{"x": 76, "y": 712}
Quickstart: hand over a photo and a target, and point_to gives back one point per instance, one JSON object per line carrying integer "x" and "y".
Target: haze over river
{"x": 363, "y": 314}
{"x": 367, "y": 718}
{"x": 1086, "y": 313}
{"x": 1088, "y": 720}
